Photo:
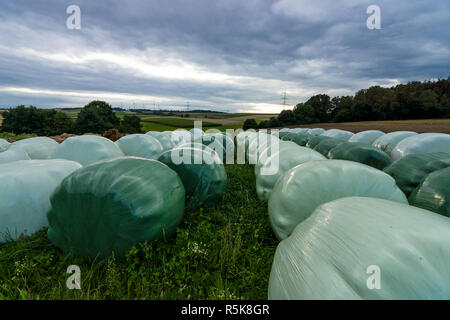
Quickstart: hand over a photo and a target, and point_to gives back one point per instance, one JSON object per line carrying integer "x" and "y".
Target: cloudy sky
{"x": 227, "y": 55}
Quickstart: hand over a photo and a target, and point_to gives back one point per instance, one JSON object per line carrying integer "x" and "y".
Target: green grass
{"x": 5, "y": 135}
{"x": 224, "y": 252}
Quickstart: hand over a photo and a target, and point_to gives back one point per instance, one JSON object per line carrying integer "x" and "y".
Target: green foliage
{"x": 6, "y": 135}
{"x": 42, "y": 122}
{"x": 130, "y": 124}
{"x": 415, "y": 100}
{"x": 224, "y": 252}
{"x": 96, "y": 117}
{"x": 250, "y": 124}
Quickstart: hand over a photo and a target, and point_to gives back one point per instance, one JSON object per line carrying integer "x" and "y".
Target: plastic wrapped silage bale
{"x": 364, "y": 248}
{"x": 269, "y": 151}
{"x": 410, "y": 170}
{"x": 422, "y": 143}
{"x": 337, "y": 133}
{"x": 140, "y": 145}
{"x": 388, "y": 141}
{"x": 433, "y": 193}
{"x": 87, "y": 149}
{"x": 25, "y": 190}
{"x": 326, "y": 145}
{"x": 315, "y": 140}
{"x": 109, "y": 206}
{"x": 315, "y": 131}
{"x": 259, "y": 144}
{"x": 362, "y": 153}
{"x": 202, "y": 173}
{"x": 278, "y": 163}
{"x": 305, "y": 187}
{"x": 368, "y": 136}
{"x": 163, "y": 138}
{"x": 39, "y": 148}
{"x": 4, "y": 145}
{"x": 302, "y": 139}
{"x": 13, "y": 154}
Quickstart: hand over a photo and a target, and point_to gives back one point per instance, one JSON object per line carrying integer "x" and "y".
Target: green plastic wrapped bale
{"x": 203, "y": 174}
{"x": 163, "y": 138}
{"x": 409, "y": 171}
{"x": 259, "y": 144}
{"x": 274, "y": 166}
{"x": 388, "y": 141}
{"x": 314, "y": 141}
{"x": 422, "y": 143}
{"x": 140, "y": 145}
{"x": 289, "y": 136}
{"x": 39, "y": 148}
{"x": 282, "y": 134}
{"x": 305, "y": 187}
{"x": 25, "y": 189}
{"x": 364, "y": 248}
{"x": 338, "y": 134}
{"x": 326, "y": 145}
{"x": 362, "y": 153}
{"x": 13, "y": 154}
{"x": 315, "y": 131}
{"x": 434, "y": 193}
{"x": 109, "y": 206}
{"x": 302, "y": 139}
{"x": 220, "y": 143}
{"x": 367, "y": 137}
{"x": 4, "y": 145}
{"x": 87, "y": 149}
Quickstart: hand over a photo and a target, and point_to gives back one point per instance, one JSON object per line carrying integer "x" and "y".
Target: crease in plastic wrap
{"x": 140, "y": 145}
{"x": 368, "y": 136}
{"x": 87, "y": 149}
{"x": 388, "y": 141}
{"x": 422, "y": 143}
{"x": 202, "y": 173}
{"x": 25, "y": 189}
{"x": 409, "y": 171}
{"x": 305, "y": 187}
{"x": 362, "y": 153}
{"x": 276, "y": 165}
{"x": 434, "y": 193}
{"x": 4, "y": 145}
{"x": 38, "y": 148}
{"x": 107, "y": 207}
{"x": 364, "y": 248}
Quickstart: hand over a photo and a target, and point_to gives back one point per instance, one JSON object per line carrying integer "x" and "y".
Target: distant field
{"x": 420, "y": 126}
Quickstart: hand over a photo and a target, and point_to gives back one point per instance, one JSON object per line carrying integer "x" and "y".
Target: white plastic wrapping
{"x": 140, "y": 145}
{"x": 305, "y": 187}
{"x": 267, "y": 152}
{"x": 388, "y": 141}
{"x": 338, "y": 134}
{"x": 24, "y": 194}
{"x": 259, "y": 143}
{"x": 4, "y": 145}
{"x": 87, "y": 149}
{"x": 39, "y": 148}
{"x": 422, "y": 143}
{"x": 13, "y": 154}
{"x": 277, "y": 164}
{"x": 368, "y": 136}
{"x": 364, "y": 248}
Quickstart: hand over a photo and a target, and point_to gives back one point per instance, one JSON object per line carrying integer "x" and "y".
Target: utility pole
{"x": 284, "y": 99}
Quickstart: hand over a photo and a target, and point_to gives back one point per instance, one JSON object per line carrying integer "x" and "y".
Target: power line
{"x": 285, "y": 99}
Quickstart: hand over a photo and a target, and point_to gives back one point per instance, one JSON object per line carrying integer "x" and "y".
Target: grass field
{"x": 224, "y": 252}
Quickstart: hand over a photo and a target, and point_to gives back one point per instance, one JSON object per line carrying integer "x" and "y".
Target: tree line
{"x": 414, "y": 100}
{"x": 95, "y": 117}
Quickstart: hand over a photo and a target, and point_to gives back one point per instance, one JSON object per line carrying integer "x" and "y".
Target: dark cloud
{"x": 224, "y": 54}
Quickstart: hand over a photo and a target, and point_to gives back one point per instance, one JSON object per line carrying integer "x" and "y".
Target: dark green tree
{"x": 130, "y": 124}
{"x": 96, "y": 117}
{"x": 250, "y": 124}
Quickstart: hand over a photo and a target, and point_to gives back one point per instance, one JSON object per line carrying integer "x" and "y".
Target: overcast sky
{"x": 227, "y": 55}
